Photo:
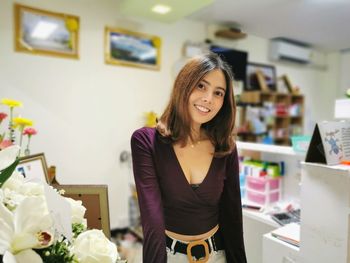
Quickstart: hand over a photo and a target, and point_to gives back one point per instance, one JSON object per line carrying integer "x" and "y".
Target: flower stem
{"x": 20, "y": 138}
{"x": 11, "y": 130}
{"x": 27, "y": 151}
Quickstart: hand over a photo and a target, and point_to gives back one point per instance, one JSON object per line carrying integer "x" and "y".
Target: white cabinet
{"x": 254, "y": 228}
{"x": 325, "y": 209}
{"x": 277, "y": 251}
{"x": 255, "y": 224}
{"x": 325, "y": 219}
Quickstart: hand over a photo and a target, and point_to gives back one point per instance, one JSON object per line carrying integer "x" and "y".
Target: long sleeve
{"x": 149, "y": 196}
{"x": 230, "y": 216}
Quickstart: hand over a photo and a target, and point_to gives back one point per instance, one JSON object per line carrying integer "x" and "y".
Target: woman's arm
{"x": 149, "y": 196}
{"x": 230, "y": 218}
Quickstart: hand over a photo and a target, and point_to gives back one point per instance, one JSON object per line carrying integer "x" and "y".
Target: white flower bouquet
{"x": 29, "y": 232}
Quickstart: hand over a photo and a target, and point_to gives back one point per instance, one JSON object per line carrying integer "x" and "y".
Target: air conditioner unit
{"x": 289, "y": 51}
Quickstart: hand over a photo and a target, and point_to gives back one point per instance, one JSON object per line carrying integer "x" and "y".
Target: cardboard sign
{"x": 330, "y": 143}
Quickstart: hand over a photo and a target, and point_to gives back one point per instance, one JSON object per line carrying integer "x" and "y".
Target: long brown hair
{"x": 175, "y": 122}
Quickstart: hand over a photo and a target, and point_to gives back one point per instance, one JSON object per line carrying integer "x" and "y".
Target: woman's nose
{"x": 207, "y": 97}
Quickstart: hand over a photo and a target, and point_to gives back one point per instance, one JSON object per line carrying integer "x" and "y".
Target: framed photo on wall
{"x": 128, "y": 48}
{"x": 254, "y": 81}
{"x": 95, "y": 199}
{"x": 44, "y": 32}
{"x": 33, "y": 167}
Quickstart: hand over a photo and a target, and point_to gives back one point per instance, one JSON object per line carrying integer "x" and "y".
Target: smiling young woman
{"x": 186, "y": 171}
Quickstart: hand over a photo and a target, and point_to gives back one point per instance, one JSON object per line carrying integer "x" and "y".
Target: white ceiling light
{"x": 161, "y": 9}
{"x": 43, "y": 30}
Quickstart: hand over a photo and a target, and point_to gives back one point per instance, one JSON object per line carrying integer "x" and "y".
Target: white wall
{"x": 344, "y": 72}
{"x": 85, "y": 110}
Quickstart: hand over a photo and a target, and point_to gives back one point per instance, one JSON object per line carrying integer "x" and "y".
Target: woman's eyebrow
{"x": 223, "y": 89}
{"x": 208, "y": 83}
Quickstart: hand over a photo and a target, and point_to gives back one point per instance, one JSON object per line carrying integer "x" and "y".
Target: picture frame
{"x": 133, "y": 49}
{"x": 42, "y": 32}
{"x": 268, "y": 72}
{"x": 34, "y": 167}
{"x": 95, "y": 199}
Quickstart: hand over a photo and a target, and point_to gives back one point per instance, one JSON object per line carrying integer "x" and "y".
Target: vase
{"x": 26, "y": 152}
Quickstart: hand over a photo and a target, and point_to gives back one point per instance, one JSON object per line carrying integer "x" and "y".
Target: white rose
{"x": 8, "y": 156}
{"x": 32, "y": 189}
{"x": 78, "y": 211}
{"x": 15, "y": 190}
{"x": 14, "y": 182}
{"x": 12, "y": 199}
{"x": 93, "y": 247}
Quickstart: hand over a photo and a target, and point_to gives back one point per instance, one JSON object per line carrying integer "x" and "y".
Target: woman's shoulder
{"x": 150, "y": 136}
{"x": 144, "y": 134}
{"x": 144, "y": 131}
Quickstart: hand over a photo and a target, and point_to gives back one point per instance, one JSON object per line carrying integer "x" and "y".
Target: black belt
{"x": 198, "y": 251}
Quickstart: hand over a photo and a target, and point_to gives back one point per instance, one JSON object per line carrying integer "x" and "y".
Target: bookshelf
{"x": 270, "y": 116}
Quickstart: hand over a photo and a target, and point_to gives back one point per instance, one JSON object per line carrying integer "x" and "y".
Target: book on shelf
{"x": 289, "y": 233}
{"x": 330, "y": 143}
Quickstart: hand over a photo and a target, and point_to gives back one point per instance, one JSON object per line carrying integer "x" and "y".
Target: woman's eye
{"x": 200, "y": 86}
{"x": 219, "y": 93}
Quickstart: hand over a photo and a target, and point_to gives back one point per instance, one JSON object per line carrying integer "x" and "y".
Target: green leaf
{"x": 348, "y": 93}
{"x": 7, "y": 172}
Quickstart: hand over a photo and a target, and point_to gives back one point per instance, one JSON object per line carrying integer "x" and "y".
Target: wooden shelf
{"x": 230, "y": 33}
{"x": 283, "y": 124}
{"x": 267, "y": 148}
{"x": 282, "y": 117}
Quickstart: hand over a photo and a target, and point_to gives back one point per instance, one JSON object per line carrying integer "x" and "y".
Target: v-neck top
{"x": 168, "y": 202}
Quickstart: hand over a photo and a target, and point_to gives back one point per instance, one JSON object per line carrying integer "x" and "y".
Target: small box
{"x": 301, "y": 143}
{"x": 263, "y": 184}
{"x": 242, "y": 192}
{"x": 262, "y": 198}
{"x": 242, "y": 179}
{"x": 263, "y": 190}
{"x": 242, "y": 182}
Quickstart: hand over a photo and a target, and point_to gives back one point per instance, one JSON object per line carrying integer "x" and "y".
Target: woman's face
{"x": 207, "y": 97}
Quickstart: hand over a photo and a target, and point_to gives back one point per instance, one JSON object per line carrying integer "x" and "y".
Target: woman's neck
{"x": 196, "y": 134}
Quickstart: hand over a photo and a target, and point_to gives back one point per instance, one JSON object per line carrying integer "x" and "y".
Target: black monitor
{"x": 235, "y": 58}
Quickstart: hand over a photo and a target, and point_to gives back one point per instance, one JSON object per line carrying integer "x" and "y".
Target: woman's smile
{"x": 202, "y": 109}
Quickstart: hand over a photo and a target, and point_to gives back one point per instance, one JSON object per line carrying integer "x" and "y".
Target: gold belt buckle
{"x": 197, "y": 243}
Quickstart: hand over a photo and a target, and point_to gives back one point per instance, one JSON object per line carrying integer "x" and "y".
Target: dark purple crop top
{"x": 168, "y": 201}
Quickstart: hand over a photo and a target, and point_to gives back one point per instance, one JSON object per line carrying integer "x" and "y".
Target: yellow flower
{"x": 71, "y": 24}
{"x": 11, "y": 103}
{"x": 22, "y": 122}
{"x": 156, "y": 42}
{"x": 151, "y": 119}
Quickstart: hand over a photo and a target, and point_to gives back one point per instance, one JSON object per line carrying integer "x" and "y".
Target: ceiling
{"x": 179, "y": 8}
{"x": 324, "y": 24}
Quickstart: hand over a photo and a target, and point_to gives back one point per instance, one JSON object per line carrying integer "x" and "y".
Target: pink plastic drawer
{"x": 262, "y": 183}
{"x": 261, "y": 198}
